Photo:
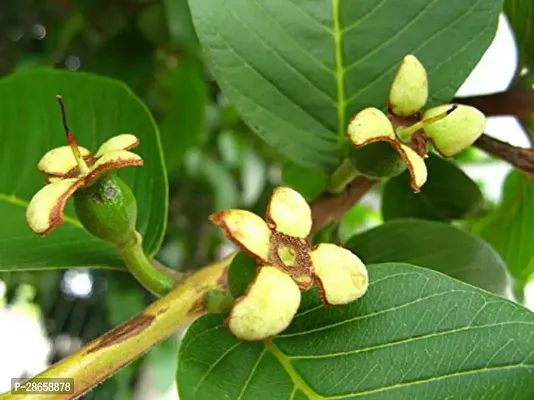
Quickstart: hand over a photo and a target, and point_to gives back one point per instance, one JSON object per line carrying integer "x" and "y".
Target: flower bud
{"x": 409, "y": 90}
{"x": 108, "y": 210}
{"x": 457, "y": 131}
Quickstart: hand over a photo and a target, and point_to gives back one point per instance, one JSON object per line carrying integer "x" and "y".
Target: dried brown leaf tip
{"x": 287, "y": 264}
{"x": 71, "y": 167}
{"x": 451, "y": 128}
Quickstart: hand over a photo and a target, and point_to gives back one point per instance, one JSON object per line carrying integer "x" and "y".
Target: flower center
{"x": 287, "y": 256}
{"x": 292, "y": 255}
{"x": 82, "y": 166}
{"x": 405, "y": 133}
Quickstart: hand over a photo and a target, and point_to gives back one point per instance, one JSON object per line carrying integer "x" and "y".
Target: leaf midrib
{"x": 285, "y": 361}
{"x": 17, "y": 201}
{"x": 340, "y": 69}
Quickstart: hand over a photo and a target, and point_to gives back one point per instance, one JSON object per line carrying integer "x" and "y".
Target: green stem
{"x": 104, "y": 356}
{"x": 342, "y": 176}
{"x": 155, "y": 278}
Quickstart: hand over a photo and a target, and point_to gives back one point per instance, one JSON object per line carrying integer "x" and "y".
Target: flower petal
{"x": 457, "y": 131}
{"x": 340, "y": 275}
{"x": 247, "y": 230}
{"x": 45, "y": 211}
{"x": 267, "y": 308}
{"x": 368, "y": 125}
{"x": 409, "y": 90}
{"x": 59, "y": 161}
{"x": 416, "y": 166}
{"x": 125, "y": 141}
{"x": 113, "y": 160}
{"x": 289, "y": 212}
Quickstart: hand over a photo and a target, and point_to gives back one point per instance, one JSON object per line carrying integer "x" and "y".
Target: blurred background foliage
{"x": 213, "y": 160}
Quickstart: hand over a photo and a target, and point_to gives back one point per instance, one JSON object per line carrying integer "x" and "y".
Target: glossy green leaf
{"x": 437, "y": 246}
{"x": 296, "y": 70}
{"x": 416, "y": 334}
{"x": 183, "y": 94}
{"x": 30, "y": 124}
{"x": 448, "y": 194}
{"x": 510, "y": 228}
{"x": 520, "y": 15}
{"x": 308, "y": 182}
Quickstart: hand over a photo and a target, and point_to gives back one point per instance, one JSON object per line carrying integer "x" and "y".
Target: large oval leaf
{"x": 30, "y": 124}
{"x": 437, "y": 246}
{"x": 296, "y": 70}
{"x": 448, "y": 194}
{"x": 510, "y": 228}
{"x": 416, "y": 334}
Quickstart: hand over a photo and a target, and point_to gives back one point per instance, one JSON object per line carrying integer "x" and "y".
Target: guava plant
{"x": 353, "y": 98}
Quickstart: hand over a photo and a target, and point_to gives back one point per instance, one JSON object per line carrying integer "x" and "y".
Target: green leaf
{"x": 437, "y": 246}
{"x": 30, "y": 125}
{"x": 183, "y": 94}
{"x": 448, "y": 194}
{"x": 308, "y": 182}
{"x": 510, "y": 228}
{"x": 416, "y": 334}
{"x": 520, "y": 15}
{"x": 241, "y": 272}
{"x": 297, "y": 70}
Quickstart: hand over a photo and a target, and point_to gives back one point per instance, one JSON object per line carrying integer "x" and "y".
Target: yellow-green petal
{"x": 45, "y": 211}
{"x": 416, "y": 166}
{"x": 409, "y": 90}
{"x": 290, "y": 213}
{"x": 59, "y": 161}
{"x": 457, "y": 131}
{"x": 369, "y": 125}
{"x": 340, "y": 274}
{"x": 247, "y": 230}
{"x": 267, "y": 308}
{"x": 124, "y": 141}
{"x": 113, "y": 160}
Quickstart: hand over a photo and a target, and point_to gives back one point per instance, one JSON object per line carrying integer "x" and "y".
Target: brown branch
{"x": 519, "y": 157}
{"x": 519, "y": 103}
{"x": 331, "y": 207}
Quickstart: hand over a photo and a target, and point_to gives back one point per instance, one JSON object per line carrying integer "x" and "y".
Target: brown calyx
{"x": 419, "y": 141}
{"x": 301, "y": 271}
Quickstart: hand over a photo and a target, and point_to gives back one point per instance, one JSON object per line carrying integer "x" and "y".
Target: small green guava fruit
{"x": 457, "y": 131}
{"x": 108, "y": 210}
{"x": 73, "y": 168}
{"x": 377, "y": 160}
{"x": 409, "y": 90}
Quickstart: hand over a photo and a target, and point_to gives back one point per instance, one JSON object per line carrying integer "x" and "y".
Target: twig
{"x": 519, "y": 157}
{"x": 331, "y": 207}
{"x": 516, "y": 103}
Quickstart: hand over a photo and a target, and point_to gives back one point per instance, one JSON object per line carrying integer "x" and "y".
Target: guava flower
{"x": 450, "y": 128}
{"x": 287, "y": 264}
{"x": 69, "y": 168}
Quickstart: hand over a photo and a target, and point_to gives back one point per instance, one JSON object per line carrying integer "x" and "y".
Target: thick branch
{"x": 519, "y": 157}
{"x": 517, "y": 103}
{"x": 106, "y": 355}
{"x": 331, "y": 207}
